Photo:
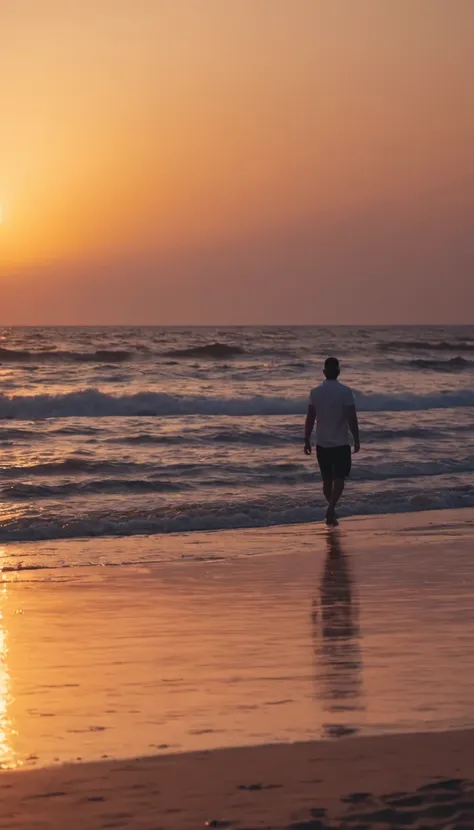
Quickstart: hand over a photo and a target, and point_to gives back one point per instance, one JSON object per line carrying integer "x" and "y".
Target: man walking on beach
{"x": 332, "y": 406}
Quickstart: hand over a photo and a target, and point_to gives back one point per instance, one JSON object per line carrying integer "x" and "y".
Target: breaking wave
{"x": 218, "y": 351}
{"x": 425, "y": 345}
{"x": 181, "y": 477}
{"x": 95, "y": 404}
{"x": 453, "y": 364}
{"x": 110, "y": 486}
{"x": 70, "y": 467}
{"x": 99, "y": 356}
{"x": 229, "y": 515}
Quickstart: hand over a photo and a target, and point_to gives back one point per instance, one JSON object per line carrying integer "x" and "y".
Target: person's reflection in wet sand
{"x": 336, "y": 635}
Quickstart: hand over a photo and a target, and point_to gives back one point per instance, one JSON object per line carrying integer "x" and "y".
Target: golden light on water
{"x": 7, "y": 754}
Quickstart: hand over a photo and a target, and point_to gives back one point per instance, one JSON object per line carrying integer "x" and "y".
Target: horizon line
{"x": 233, "y": 325}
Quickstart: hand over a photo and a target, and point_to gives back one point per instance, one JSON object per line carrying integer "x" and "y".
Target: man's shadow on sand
{"x": 336, "y": 633}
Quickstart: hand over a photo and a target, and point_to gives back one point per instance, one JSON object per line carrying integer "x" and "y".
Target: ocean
{"x": 123, "y": 432}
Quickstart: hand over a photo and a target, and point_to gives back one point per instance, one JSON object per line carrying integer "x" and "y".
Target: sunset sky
{"x": 236, "y": 161}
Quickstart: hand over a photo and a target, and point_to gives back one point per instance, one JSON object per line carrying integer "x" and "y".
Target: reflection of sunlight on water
{"x": 7, "y": 754}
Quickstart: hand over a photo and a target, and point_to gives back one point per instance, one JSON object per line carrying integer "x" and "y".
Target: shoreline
{"x": 418, "y": 780}
{"x": 198, "y": 546}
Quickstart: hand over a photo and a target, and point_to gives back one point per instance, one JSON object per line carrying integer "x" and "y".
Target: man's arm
{"x": 308, "y": 428}
{"x": 351, "y": 414}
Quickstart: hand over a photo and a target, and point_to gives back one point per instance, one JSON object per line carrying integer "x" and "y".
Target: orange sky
{"x": 237, "y": 161}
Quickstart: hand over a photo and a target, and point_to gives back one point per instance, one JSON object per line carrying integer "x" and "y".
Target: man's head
{"x": 331, "y": 368}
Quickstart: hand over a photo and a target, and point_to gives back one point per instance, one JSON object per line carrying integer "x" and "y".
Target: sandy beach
{"x": 417, "y": 781}
{"x": 228, "y": 670}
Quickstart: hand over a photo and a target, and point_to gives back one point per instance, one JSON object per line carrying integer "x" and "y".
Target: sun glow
{"x": 32, "y": 227}
{"x": 205, "y": 150}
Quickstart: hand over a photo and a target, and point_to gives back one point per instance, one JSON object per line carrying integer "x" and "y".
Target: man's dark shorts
{"x": 334, "y": 462}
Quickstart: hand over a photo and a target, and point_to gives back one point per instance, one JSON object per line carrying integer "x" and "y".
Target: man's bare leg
{"x": 337, "y": 489}
{"x": 327, "y": 488}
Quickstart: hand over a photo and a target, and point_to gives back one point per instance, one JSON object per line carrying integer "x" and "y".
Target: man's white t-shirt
{"x": 330, "y": 400}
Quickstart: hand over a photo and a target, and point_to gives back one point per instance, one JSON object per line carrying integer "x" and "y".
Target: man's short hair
{"x": 331, "y": 366}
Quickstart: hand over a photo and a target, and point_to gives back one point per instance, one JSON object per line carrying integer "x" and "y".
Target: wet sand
{"x": 417, "y": 781}
{"x": 290, "y": 634}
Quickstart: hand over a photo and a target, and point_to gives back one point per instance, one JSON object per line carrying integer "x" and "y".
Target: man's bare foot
{"x": 331, "y": 518}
